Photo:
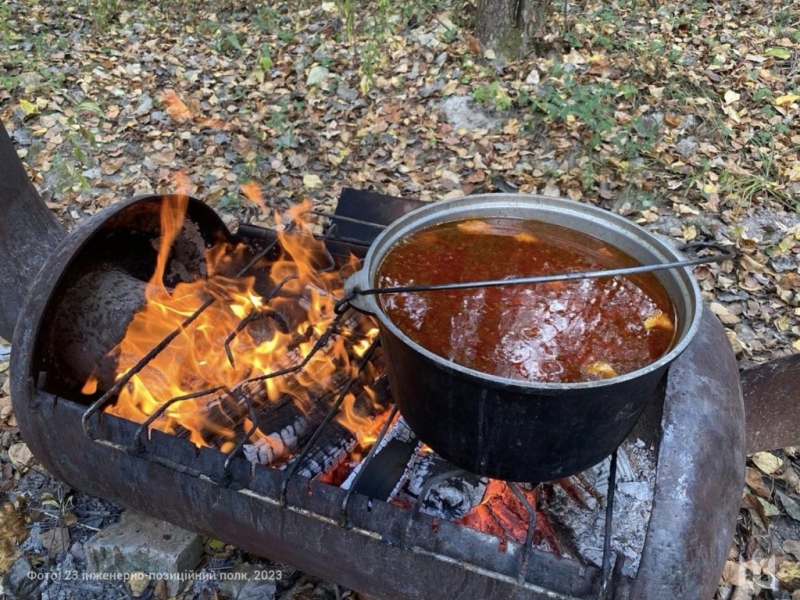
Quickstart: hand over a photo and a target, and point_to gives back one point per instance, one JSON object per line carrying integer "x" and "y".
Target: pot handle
{"x": 362, "y": 303}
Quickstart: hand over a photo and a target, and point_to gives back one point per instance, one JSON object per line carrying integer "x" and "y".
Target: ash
{"x": 633, "y": 503}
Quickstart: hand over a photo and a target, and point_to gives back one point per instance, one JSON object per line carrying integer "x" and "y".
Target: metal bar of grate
{"x": 332, "y": 216}
{"x": 138, "y": 437}
{"x": 526, "y": 550}
{"x": 365, "y": 463}
{"x": 298, "y": 459}
{"x": 612, "y": 486}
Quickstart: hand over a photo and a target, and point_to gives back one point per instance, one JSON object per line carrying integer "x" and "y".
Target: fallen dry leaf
{"x": 138, "y": 583}
{"x": 753, "y": 505}
{"x": 770, "y": 510}
{"x": 20, "y": 456}
{"x": 731, "y": 97}
{"x": 755, "y": 481}
{"x": 790, "y": 505}
{"x": 55, "y": 541}
{"x": 735, "y": 573}
{"x": 786, "y": 99}
{"x": 724, "y": 314}
{"x": 312, "y": 181}
{"x": 767, "y": 462}
{"x": 789, "y": 572}
{"x": 792, "y": 547}
{"x": 12, "y": 533}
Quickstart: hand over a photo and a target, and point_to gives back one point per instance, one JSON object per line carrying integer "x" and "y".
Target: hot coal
{"x": 451, "y": 497}
{"x": 570, "y": 512}
{"x": 288, "y": 428}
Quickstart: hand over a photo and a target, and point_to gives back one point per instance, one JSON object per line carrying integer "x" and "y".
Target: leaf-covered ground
{"x": 682, "y": 117}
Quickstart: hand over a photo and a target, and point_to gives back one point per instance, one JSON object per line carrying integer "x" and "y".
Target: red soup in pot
{"x": 564, "y": 332}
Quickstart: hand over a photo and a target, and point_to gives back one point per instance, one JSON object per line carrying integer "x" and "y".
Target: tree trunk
{"x": 509, "y": 27}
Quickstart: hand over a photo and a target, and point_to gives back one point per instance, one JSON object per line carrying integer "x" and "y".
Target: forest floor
{"x": 682, "y": 117}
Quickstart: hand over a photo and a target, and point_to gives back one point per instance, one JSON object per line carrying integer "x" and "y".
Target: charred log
{"x": 442, "y": 490}
{"x": 284, "y": 431}
{"x": 333, "y": 446}
{"x": 92, "y": 320}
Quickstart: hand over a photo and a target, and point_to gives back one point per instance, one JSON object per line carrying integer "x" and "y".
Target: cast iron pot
{"x": 506, "y": 428}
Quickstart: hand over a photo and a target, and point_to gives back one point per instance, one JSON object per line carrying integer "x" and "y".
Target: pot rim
{"x": 406, "y": 225}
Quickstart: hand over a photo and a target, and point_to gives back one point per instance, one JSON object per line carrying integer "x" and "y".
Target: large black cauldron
{"x": 511, "y": 429}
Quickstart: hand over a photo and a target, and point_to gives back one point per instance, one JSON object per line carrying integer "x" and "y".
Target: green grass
{"x": 742, "y": 188}
{"x": 492, "y": 95}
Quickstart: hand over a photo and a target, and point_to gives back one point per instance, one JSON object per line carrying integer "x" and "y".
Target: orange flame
{"x": 263, "y": 334}
{"x": 173, "y": 211}
{"x": 363, "y": 427}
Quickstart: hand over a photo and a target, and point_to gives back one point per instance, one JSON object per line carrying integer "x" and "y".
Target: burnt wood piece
{"x": 336, "y": 441}
{"x": 700, "y": 473}
{"x": 92, "y": 319}
{"x": 285, "y": 429}
{"x": 123, "y": 234}
{"x": 332, "y": 447}
{"x": 439, "y": 488}
{"x": 274, "y": 415}
{"x": 772, "y": 404}
{"x": 28, "y": 234}
{"x": 287, "y": 425}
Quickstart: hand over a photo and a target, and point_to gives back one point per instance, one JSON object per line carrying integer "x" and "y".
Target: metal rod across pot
{"x": 724, "y": 254}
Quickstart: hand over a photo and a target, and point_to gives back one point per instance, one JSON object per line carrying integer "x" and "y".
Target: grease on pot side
{"x": 550, "y": 332}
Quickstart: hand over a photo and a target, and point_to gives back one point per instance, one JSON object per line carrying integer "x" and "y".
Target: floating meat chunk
{"x": 658, "y": 319}
{"x": 599, "y": 370}
{"x": 526, "y": 237}
{"x": 475, "y": 226}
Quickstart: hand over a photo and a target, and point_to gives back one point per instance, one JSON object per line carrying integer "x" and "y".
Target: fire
{"x": 504, "y": 515}
{"x": 172, "y": 215}
{"x": 255, "y": 325}
{"x": 364, "y": 428}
